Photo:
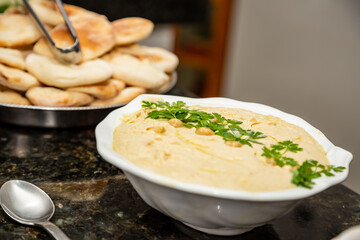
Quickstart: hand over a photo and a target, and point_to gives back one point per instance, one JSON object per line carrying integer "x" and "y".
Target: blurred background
{"x": 302, "y": 57}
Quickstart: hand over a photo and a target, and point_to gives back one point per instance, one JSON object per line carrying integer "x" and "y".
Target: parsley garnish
{"x": 304, "y": 174}
{"x": 310, "y": 169}
{"x": 228, "y": 129}
{"x": 277, "y": 152}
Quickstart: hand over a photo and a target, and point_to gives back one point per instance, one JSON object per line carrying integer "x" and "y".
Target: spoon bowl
{"x": 28, "y": 204}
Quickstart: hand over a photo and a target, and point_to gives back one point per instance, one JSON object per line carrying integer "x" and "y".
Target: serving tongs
{"x": 68, "y": 55}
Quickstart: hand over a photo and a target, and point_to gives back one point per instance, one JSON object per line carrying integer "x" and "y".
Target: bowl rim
{"x": 104, "y": 141}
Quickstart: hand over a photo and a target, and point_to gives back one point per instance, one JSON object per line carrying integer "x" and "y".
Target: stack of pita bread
{"x": 114, "y": 68}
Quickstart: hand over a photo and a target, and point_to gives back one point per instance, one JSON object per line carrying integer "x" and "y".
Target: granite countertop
{"x": 94, "y": 200}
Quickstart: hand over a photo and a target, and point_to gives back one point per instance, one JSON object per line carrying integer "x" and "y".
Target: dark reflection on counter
{"x": 57, "y": 155}
{"x": 263, "y": 232}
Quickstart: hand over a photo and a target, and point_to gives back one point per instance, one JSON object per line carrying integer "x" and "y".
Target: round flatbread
{"x": 124, "y": 96}
{"x": 12, "y": 57}
{"x": 94, "y": 33}
{"x": 135, "y": 72}
{"x": 104, "y": 90}
{"x": 54, "y": 97}
{"x": 11, "y": 97}
{"x": 131, "y": 29}
{"x": 53, "y": 73}
{"x": 15, "y": 10}
{"x": 16, "y": 79}
{"x": 160, "y": 58}
{"x": 73, "y": 10}
{"x": 17, "y": 30}
{"x": 49, "y": 13}
{"x": 165, "y": 87}
{"x": 117, "y": 84}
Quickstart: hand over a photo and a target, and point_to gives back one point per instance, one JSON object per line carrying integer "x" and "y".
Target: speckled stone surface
{"x": 94, "y": 200}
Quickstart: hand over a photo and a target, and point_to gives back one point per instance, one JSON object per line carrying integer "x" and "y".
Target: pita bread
{"x": 12, "y": 97}
{"x": 53, "y": 73}
{"x": 12, "y": 58}
{"x": 117, "y": 84}
{"x": 54, "y": 97}
{"x": 135, "y": 72}
{"x": 73, "y": 10}
{"x": 94, "y": 33}
{"x": 49, "y": 13}
{"x": 16, "y": 79}
{"x": 131, "y": 29}
{"x": 124, "y": 96}
{"x": 15, "y": 10}
{"x": 160, "y": 58}
{"x": 17, "y": 30}
{"x": 104, "y": 90}
{"x": 163, "y": 87}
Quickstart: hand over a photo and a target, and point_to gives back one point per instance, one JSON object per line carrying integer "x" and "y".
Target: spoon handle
{"x": 54, "y": 231}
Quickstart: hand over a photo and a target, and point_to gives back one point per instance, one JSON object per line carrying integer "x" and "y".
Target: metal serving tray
{"x": 62, "y": 117}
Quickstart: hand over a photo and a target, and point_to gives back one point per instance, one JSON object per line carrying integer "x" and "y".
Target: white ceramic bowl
{"x": 208, "y": 209}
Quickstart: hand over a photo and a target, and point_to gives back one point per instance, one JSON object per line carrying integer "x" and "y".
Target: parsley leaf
{"x": 310, "y": 169}
{"x": 148, "y": 105}
{"x": 275, "y": 153}
{"x": 304, "y": 174}
{"x": 290, "y": 146}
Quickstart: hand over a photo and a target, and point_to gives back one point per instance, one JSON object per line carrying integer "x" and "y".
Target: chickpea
{"x": 176, "y": 123}
{"x": 271, "y": 162}
{"x": 204, "y": 131}
{"x": 157, "y": 129}
{"x": 233, "y": 143}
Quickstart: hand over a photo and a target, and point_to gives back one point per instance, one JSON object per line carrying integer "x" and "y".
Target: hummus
{"x": 181, "y": 154}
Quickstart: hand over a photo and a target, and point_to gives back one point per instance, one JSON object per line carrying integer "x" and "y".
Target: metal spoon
{"x": 28, "y": 204}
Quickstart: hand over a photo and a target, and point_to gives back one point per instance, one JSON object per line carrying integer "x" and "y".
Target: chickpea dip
{"x": 188, "y": 156}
